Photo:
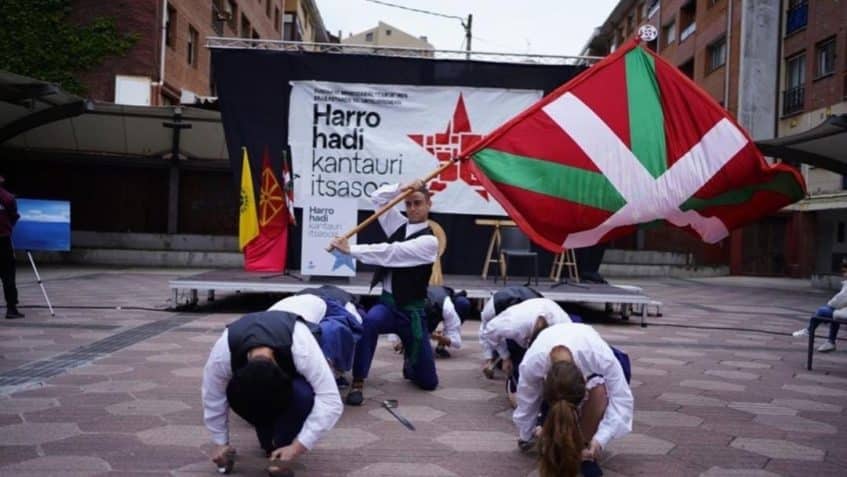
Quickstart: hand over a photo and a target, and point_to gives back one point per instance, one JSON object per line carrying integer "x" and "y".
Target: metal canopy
{"x": 26, "y": 103}
{"x": 132, "y": 131}
{"x": 823, "y": 146}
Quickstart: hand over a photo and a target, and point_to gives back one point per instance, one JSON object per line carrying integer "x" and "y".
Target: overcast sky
{"x": 553, "y": 27}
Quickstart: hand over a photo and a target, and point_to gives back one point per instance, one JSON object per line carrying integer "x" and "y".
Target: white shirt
{"x": 839, "y": 302}
{"x": 311, "y": 308}
{"x": 485, "y": 316}
{"x": 591, "y": 355}
{"x": 309, "y": 362}
{"x": 452, "y": 323}
{"x": 517, "y": 322}
{"x": 418, "y": 251}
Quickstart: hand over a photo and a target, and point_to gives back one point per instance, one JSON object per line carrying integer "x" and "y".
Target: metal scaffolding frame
{"x": 338, "y": 48}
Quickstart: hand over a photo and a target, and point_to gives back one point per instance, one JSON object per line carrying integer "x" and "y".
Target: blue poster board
{"x": 45, "y": 225}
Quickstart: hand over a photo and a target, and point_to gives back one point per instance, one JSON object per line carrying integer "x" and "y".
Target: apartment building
{"x": 303, "y": 22}
{"x": 169, "y": 63}
{"x": 386, "y": 35}
{"x": 731, "y": 49}
{"x": 813, "y": 86}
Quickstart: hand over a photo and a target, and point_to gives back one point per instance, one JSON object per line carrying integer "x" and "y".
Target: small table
{"x": 494, "y": 244}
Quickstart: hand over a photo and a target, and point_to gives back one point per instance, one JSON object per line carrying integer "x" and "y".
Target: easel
{"x": 38, "y": 279}
{"x": 565, "y": 259}
{"x": 494, "y": 244}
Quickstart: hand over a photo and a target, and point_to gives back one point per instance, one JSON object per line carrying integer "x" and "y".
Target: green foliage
{"x": 38, "y": 39}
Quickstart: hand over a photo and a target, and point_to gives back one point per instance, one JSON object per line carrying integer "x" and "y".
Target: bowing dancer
{"x": 444, "y": 305}
{"x": 511, "y": 332}
{"x": 572, "y": 377}
{"x": 340, "y": 329}
{"x": 496, "y": 304}
{"x": 269, "y": 368}
{"x": 405, "y": 265}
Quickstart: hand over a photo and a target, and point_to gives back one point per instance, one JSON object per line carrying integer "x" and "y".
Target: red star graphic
{"x": 447, "y": 145}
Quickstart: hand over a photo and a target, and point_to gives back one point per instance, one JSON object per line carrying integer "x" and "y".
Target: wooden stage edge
{"x": 630, "y": 299}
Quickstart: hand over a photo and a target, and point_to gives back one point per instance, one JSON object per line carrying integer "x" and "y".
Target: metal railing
{"x": 338, "y": 48}
{"x": 793, "y": 100}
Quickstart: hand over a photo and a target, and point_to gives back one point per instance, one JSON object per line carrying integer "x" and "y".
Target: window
{"x": 797, "y": 16}
{"x": 245, "y": 26}
{"x": 388, "y": 32}
{"x": 231, "y": 11}
{"x": 193, "y": 39}
{"x": 268, "y": 8}
{"x": 825, "y": 58}
{"x": 687, "y": 68}
{"x": 717, "y": 54}
{"x": 795, "y": 78}
{"x": 669, "y": 33}
{"x": 840, "y": 232}
{"x": 170, "y": 27}
{"x": 652, "y": 7}
{"x": 276, "y": 19}
{"x": 290, "y": 27}
{"x": 218, "y": 17}
{"x": 369, "y": 36}
{"x": 687, "y": 20}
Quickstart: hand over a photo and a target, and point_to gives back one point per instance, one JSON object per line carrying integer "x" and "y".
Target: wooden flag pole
{"x": 392, "y": 203}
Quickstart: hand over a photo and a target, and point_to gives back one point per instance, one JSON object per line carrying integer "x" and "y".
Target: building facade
{"x": 303, "y": 22}
{"x": 388, "y": 36}
{"x": 813, "y": 86}
{"x": 731, "y": 49}
{"x": 169, "y": 63}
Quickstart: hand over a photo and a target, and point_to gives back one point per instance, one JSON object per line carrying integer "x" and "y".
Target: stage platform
{"x": 626, "y": 298}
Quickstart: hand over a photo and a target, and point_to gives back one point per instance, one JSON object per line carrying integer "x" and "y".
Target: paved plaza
{"x": 111, "y": 386}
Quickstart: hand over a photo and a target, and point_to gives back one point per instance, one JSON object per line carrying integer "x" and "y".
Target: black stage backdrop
{"x": 253, "y": 89}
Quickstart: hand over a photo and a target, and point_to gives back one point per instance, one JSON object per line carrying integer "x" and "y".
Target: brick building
{"x": 730, "y": 48}
{"x": 169, "y": 63}
{"x": 813, "y": 86}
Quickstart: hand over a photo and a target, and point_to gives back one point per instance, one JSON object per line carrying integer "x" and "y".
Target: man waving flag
{"x": 629, "y": 141}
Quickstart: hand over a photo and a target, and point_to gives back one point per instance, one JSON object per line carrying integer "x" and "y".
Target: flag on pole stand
{"x": 267, "y": 252}
{"x": 629, "y": 141}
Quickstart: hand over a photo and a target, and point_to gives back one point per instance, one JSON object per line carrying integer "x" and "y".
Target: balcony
{"x": 796, "y": 17}
{"x": 793, "y": 100}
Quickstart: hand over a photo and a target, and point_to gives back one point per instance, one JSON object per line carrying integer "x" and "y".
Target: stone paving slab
{"x": 711, "y": 402}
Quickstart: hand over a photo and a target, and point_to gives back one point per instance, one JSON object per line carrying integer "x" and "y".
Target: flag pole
{"x": 385, "y": 208}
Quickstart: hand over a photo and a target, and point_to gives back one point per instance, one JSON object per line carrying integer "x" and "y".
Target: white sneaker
{"x": 801, "y": 333}
{"x": 827, "y": 347}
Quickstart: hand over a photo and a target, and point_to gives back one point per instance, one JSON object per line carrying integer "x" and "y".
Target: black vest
{"x": 506, "y": 297}
{"x": 332, "y": 292}
{"x": 273, "y": 329}
{"x": 408, "y": 284}
{"x": 434, "y": 307}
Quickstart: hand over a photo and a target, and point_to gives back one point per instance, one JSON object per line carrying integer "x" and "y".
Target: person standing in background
{"x": 8, "y": 218}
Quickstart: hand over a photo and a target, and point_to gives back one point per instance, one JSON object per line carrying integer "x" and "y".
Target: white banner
{"x": 347, "y": 139}
{"x": 324, "y": 219}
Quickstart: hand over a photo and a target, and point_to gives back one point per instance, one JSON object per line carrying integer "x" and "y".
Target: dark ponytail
{"x": 560, "y": 444}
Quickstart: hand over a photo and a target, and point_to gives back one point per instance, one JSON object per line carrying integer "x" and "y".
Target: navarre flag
{"x": 629, "y": 141}
{"x": 248, "y": 223}
{"x": 268, "y": 251}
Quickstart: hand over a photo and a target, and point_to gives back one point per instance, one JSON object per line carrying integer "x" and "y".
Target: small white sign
{"x": 323, "y": 219}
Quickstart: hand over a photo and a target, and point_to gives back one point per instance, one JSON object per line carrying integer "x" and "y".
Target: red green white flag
{"x": 629, "y": 141}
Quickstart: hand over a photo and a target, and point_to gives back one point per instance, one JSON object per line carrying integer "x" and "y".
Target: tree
{"x": 38, "y": 39}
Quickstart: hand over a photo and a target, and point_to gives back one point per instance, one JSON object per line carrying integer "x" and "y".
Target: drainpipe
{"x": 160, "y": 85}
{"x": 728, "y": 56}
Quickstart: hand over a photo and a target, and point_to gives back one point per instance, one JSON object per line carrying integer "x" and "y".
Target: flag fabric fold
{"x": 248, "y": 222}
{"x": 268, "y": 251}
{"x": 628, "y": 142}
